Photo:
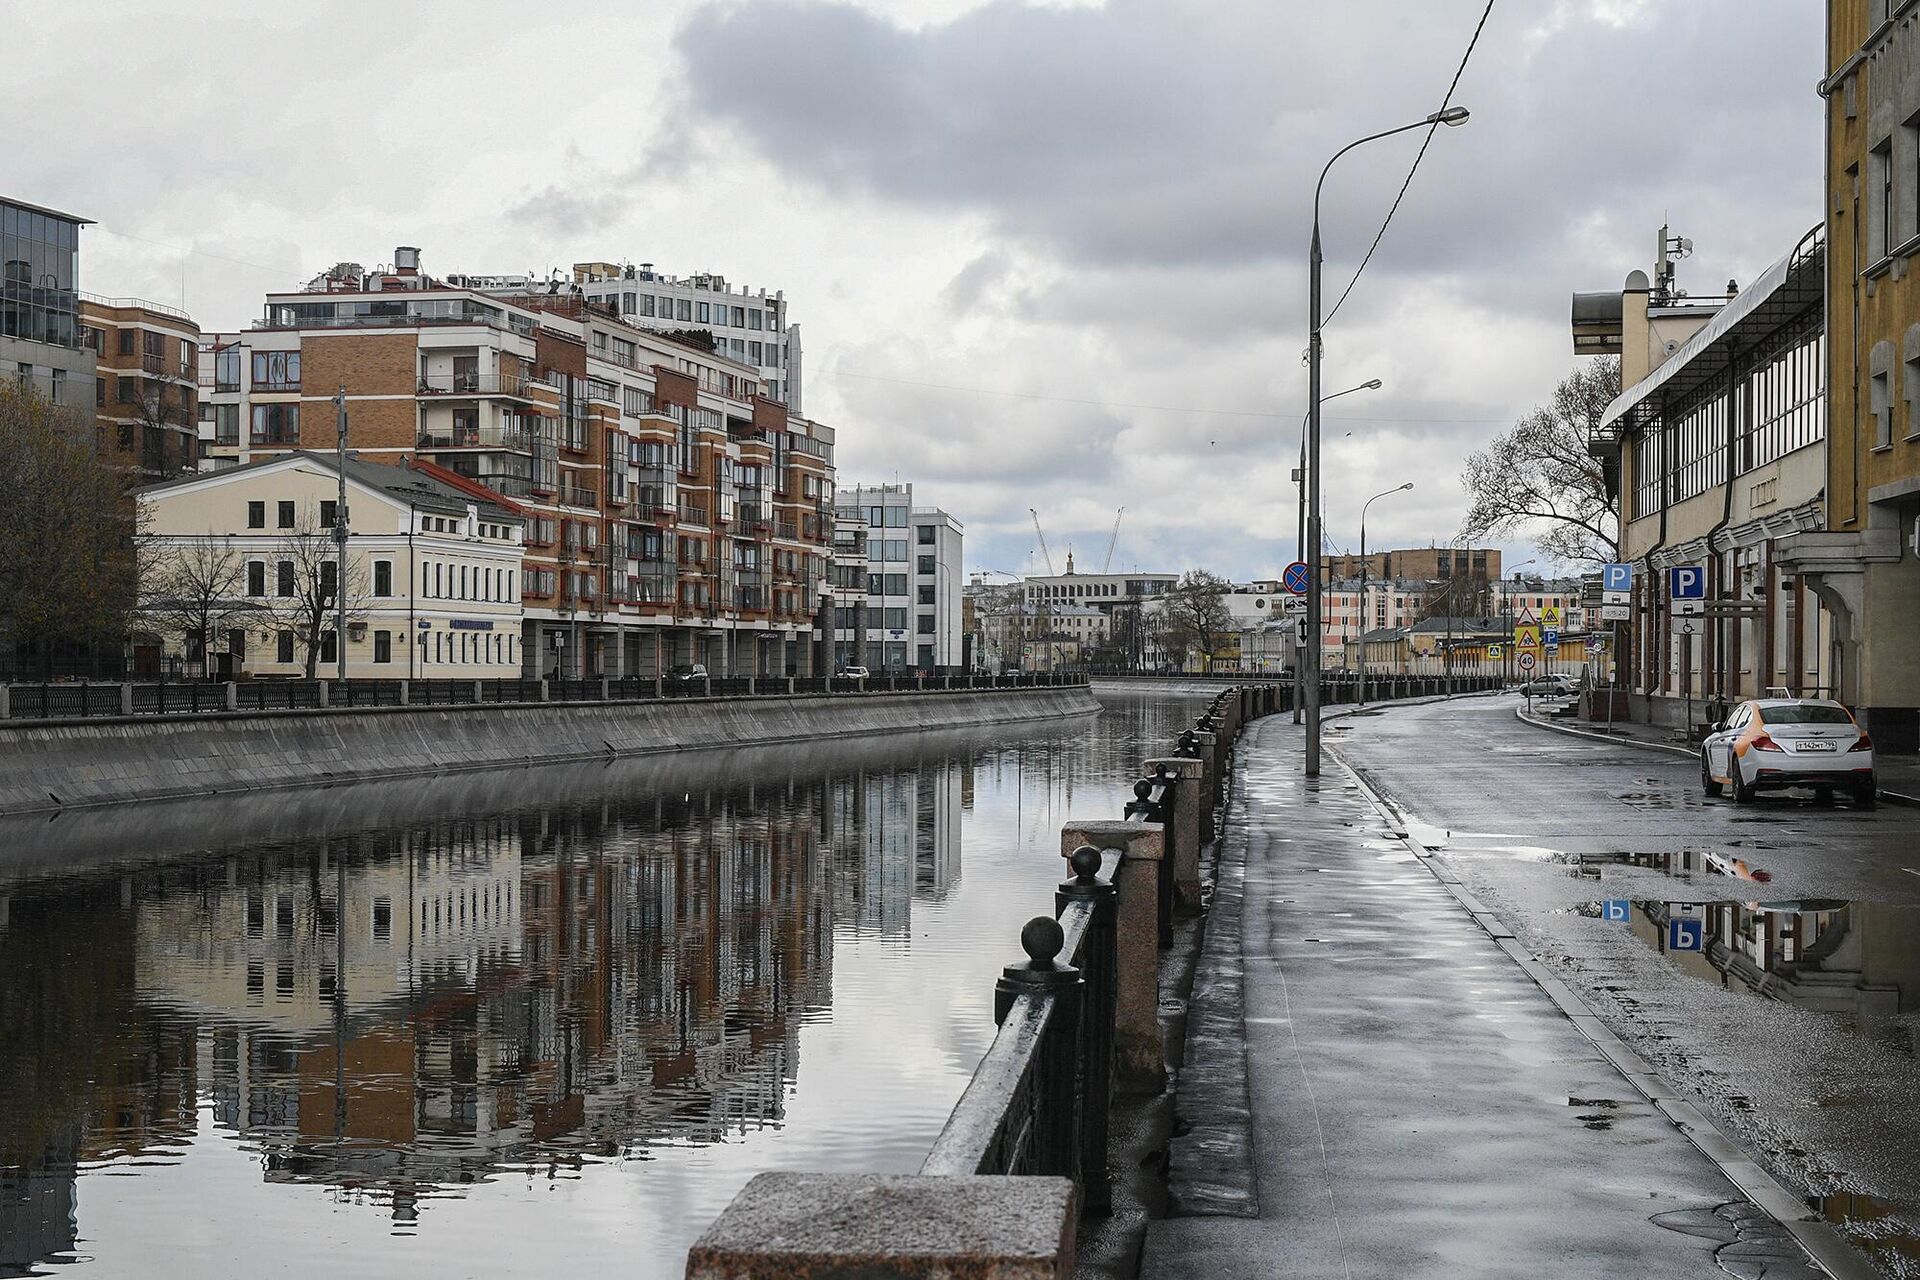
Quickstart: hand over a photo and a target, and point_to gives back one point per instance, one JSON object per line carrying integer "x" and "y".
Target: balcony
{"x": 478, "y": 384}
{"x": 694, "y": 514}
{"x": 573, "y": 494}
{"x": 489, "y": 436}
{"x": 788, "y": 531}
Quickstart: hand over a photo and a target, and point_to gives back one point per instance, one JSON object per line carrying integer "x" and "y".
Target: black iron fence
{"x": 78, "y": 700}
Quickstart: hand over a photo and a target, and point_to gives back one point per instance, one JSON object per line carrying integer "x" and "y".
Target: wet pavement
{"x": 540, "y": 1022}
{"x": 1418, "y": 1104}
{"x": 1764, "y": 959}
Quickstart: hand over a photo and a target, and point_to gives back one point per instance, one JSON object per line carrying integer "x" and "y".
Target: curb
{"x": 1830, "y": 1251}
{"x": 1685, "y": 753}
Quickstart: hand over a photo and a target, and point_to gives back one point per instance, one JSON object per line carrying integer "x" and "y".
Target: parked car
{"x": 1771, "y": 743}
{"x": 1552, "y": 685}
{"x": 687, "y": 673}
{"x": 854, "y": 673}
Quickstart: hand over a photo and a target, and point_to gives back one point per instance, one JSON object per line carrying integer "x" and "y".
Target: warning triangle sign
{"x": 1526, "y": 618}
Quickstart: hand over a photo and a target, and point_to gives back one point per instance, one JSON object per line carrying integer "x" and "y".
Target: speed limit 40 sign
{"x": 1526, "y": 662}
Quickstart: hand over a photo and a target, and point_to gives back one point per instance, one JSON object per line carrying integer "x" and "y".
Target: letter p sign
{"x": 1687, "y": 582}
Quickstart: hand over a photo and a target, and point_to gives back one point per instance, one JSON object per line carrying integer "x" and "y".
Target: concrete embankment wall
{"x": 75, "y": 763}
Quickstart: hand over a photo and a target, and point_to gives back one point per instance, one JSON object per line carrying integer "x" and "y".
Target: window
{"x": 329, "y": 576}
{"x": 285, "y": 515}
{"x": 700, "y": 312}
{"x": 739, "y": 319}
{"x": 226, "y": 423}
{"x": 123, "y": 392}
{"x": 256, "y": 577}
{"x": 276, "y": 424}
{"x": 683, "y": 309}
{"x": 256, "y": 515}
{"x": 753, "y": 318}
{"x": 383, "y": 577}
{"x": 276, "y": 370}
{"x": 283, "y": 579}
{"x": 383, "y": 646}
{"x": 926, "y": 595}
{"x": 925, "y": 564}
{"x": 329, "y": 512}
{"x": 283, "y": 641}
{"x": 925, "y": 624}
{"x": 329, "y": 648}
{"x": 924, "y": 535}
{"x": 126, "y": 342}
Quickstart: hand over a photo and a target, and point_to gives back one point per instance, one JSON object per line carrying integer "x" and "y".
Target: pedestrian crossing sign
{"x": 1496, "y": 651}
{"x": 1526, "y": 635}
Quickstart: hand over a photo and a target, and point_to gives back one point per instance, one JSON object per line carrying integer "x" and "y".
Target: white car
{"x": 1770, "y": 743}
{"x": 1555, "y": 684}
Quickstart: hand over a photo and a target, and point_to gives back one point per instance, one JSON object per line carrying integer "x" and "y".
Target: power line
{"x": 282, "y": 272}
{"x": 1117, "y": 404}
{"x": 1415, "y": 166}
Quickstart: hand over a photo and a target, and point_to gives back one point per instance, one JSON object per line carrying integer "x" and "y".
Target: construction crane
{"x": 1107, "y": 566}
{"x": 1043, "y": 540}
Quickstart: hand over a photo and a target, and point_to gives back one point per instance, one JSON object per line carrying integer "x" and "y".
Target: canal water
{"x": 534, "y": 1022}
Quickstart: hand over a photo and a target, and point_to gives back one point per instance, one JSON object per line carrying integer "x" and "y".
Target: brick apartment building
{"x": 145, "y": 384}
{"x": 674, "y": 512}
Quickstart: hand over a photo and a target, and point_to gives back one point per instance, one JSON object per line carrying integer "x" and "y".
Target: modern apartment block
{"x": 1864, "y": 564}
{"x": 1429, "y": 563}
{"x": 147, "y": 376}
{"x": 40, "y": 344}
{"x": 906, "y": 615}
{"x": 747, "y": 326}
{"x": 675, "y": 513}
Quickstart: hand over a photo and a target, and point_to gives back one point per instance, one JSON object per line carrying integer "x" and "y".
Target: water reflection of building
{"x": 1858, "y": 959}
{"x": 895, "y": 836}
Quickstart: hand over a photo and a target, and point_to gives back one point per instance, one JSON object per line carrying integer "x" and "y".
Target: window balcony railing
{"x": 476, "y": 384}
{"x": 577, "y": 495}
{"x": 693, "y": 513}
{"x": 477, "y": 436}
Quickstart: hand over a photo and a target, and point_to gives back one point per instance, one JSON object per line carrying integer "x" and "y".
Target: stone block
{"x": 1138, "y": 1051}
{"x": 807, "y": 1226}
{"x": 1183, "y": 835}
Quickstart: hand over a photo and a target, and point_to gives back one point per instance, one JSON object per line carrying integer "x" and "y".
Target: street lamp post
{"x": 1300, "y": 537}
{"x": 1315, "y": 585}
{"x": 1402, "y": 488}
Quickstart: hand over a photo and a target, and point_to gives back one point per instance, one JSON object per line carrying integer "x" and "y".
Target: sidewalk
{"x": 1898, "y": 775}
{"x": 1375, "y": 1087}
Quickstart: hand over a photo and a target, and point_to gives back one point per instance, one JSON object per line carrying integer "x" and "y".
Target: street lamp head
{"x": 1372, "y": 384}
{"x": 1452, "y": 117}
{"x": 1407, "y": 485}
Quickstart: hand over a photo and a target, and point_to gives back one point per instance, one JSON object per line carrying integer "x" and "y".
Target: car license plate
{"x": 1816, "y": 746}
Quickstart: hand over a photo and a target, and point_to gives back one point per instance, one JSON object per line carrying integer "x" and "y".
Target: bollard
{"x": 233, "y": 696}
{"x": 1054, "y": 1133}
{"x": 1183, "y": 831}
{"x": 126, "y": 700}
{"x": 658, "y": 686}
{"x": 323, "y": 696}
{"x": 706, "y": 686}
{"x": 1139, "y": 1065}
{"x": 1144, "y": 808}
{"x": 1098, "y": 976}
{"x": 546, "y": 691}
{"x": 6, "y": 702}
{"x": 406, "y": 693}
{"x": 479, "y": 692}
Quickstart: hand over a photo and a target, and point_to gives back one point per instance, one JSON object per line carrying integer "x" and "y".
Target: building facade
{"x": 674, "y": 512}
{"x": 40, "y": 345}
{"x": 747, "y": 326}
{"x": 897, "y": 592}
{"x": 1716, "y": 445}
{"x": 147, "y": 360}
{"x": 432, "y": 586}
{"x": 1426, "y": 563}
{"x": 1863, "y": 563}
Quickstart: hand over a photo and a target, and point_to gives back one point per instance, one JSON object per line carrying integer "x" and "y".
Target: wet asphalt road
{"x": 1798, "y": 1028}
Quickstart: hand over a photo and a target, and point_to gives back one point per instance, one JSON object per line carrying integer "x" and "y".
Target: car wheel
{"x": 1865, "y": 794}
{"x": 1708, "y": 783}
{"x": 1743, "y": 791}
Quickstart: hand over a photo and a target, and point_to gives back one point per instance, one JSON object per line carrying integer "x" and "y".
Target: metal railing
{"x": 61, "y": 701}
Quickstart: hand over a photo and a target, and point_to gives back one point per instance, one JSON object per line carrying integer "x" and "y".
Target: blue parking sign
{"x": 1687, "y": 582}
{"x": 1686, "y": 934}
{"x": 1616, "y": 577}
{"x": 1617, "y": 910}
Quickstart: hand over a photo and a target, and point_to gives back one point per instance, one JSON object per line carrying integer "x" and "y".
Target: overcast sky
{"x": 1044, "y": 255}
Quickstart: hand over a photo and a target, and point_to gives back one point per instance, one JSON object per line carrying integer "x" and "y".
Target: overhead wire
{"x": 1414, "y": 168}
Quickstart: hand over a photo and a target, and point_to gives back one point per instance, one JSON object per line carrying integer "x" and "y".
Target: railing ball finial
{"x": 1042, "y": 939}
{"x": 1143, "y": 788}
{"x": 1085, "y": 862}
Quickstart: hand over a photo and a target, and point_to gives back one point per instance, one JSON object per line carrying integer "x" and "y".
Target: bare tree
{"x": 193, "y": 590}
{"x": 161, "y": 412}
{"x": 308, "y": 553}
{"x": 1195, "y": 615}
{"x": 1539, "y": 477}
{"x": 68, "y": 579}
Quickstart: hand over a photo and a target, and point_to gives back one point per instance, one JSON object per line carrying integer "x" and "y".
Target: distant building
{"x": 40, "y": 342}
{"x": 906, "y": 614}
{"x": 1424, "y": 563}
